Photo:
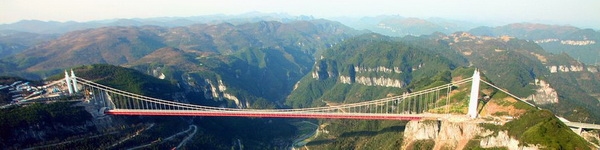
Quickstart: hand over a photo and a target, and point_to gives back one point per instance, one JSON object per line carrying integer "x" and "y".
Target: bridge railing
{"x": 410, "y": 102}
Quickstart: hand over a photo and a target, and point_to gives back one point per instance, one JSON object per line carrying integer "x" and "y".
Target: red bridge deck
{"x": 259, "y": 114}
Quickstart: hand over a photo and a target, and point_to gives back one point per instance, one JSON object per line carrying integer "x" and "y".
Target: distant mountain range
{"x": 578, "y": 43}
{"x": 52, "y": 27}
{"x": 120, "y": 45}
{"x": 401, "y": 26}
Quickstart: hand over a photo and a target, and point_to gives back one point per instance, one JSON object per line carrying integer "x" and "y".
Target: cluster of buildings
{"x": 20, "y": 90}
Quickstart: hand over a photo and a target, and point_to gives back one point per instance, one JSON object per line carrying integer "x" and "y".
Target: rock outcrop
{"x": 503, "y": 140}
{"x": 358, "y": 75}
{"x": 544, "y": 94}
{"x": 449, "y": 134}
{"x": 566, "y": 68}
{"x": 372, "y": 81}
{"x": 218, "y": 92}
{"x": 360, "y": 69}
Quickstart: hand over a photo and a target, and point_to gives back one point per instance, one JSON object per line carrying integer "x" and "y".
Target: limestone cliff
{"x": 544, "y": 93}
{"x": 456, "y": 134}
{"x": 572, "y": 68}
{"x": 372, "y": 81}
{"x": 359, "y": 75}
{"x": 218, "y": 92}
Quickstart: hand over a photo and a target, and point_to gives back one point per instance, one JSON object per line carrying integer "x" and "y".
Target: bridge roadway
{"x": 290, "y": 114}
{"x": 275, "y": 114}
{"x": 583, "y": 125}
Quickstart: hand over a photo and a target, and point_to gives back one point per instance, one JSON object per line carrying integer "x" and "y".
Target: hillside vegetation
{"x": 543, "y": 128}
{"x": 381, "y": 58}
{"x": 64, "y": 121}
{"x": 334, "y": 80}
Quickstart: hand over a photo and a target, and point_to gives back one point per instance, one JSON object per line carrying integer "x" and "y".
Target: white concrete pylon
{"x": 68, "y": 81}
{"x": 74, "y": 79}
{"x": 473, "y": 100}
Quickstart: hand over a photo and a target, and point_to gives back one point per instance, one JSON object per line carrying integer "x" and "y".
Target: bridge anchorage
{"x": 427, "y": 103}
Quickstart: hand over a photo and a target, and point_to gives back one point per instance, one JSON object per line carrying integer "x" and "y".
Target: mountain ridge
{"x": 121, "y": 45}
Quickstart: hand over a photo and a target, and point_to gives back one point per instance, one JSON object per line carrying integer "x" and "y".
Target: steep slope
{"x": 554, "y": 81}
{"x": 243, "y": 63}
{"x": 373, "y": 66}
{"x": 512, "y": 62}
{"x": 247, "y": 63}
{"x": 367, "y": 67}
{"x": 244, "y": 77}
{"x": 113, "y": 45}
{"x": 121, "y": 45}
{"x": 534, "y": 129}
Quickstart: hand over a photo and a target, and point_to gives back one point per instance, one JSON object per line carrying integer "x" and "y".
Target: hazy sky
{"x": 581, "y": 13}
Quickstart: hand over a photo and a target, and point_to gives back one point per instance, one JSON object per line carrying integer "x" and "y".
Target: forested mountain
{"x": 388, "y": 64}
{"x": 121, "y": 45}
{"x": 246, "y": 63}
{"x": 13, "y": 42}
{"x": 368, "y": 67}
{"x": 581, "y": 44}
{"x": 523, "y": 68}
{"x": 373, "y": 66}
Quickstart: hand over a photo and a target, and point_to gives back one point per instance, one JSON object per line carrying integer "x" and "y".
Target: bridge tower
{"x": 473, "y": 100}
{"x": 68, "y": 81}
{"x": 74, "y": 79}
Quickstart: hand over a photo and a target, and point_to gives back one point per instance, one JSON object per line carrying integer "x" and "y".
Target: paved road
{"x": 583, "y": 125}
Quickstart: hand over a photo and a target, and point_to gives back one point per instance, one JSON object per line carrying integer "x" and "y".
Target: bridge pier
{"x": 473, "y": 100}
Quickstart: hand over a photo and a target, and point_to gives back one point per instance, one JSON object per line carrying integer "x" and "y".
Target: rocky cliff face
{"x": 593, "y": 135}
{"x": 372, "y": 81}
{"x": 360, "y": 75}
{"x": 571, "y": 68}
{"x": 544, "y": 94}
{"x": 448, "y": 134}
{"x": 503, "y": 140}
{"x": 218, "y": 92}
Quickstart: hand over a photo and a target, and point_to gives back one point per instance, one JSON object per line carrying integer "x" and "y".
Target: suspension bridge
{"x": 428, "y": 103}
